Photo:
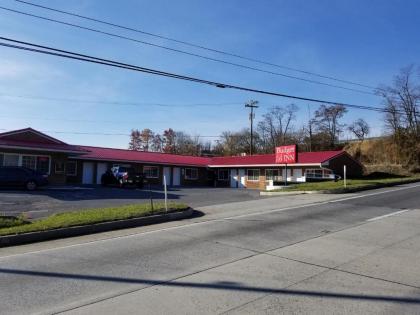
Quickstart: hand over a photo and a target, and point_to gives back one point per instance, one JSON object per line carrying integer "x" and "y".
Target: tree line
{"x": 276, "y": 128}
{"x": 170, "y": 141}
{"x": 321, "y": 131}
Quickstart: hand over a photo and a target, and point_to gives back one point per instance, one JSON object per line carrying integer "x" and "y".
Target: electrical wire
{"x": 81, "y": 57}
{"x": 93, "y": 133}
{"x": 196, "y": 45}
{"x": 140, "y": 104}
{"x": 185, "y": 52}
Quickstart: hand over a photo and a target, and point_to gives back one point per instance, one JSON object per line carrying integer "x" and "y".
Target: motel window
{"x": 313, "y": 173}
{"x": 59, "y": 167}
{"x": 191, "y": 173}
{"x": 151, "y": 171}
{"x": 71, "y": 168}
{"x": 29, "y": 161}
{"x": 223, "y": 175}
{"x": 272, "y": 174}
{"x": 11, "y": 160}
{"x": 43, "y": 164}
{"x": 253, "y": 174}
{"x": 34, "y": 162}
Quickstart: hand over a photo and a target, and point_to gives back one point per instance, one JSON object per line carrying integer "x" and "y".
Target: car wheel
{"x": 31, "y": 185}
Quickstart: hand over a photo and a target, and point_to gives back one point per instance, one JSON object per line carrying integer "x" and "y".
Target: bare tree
{"x": 402, "y": 101}
{"x": 359, "y": 128}
{"x": 276, "y": 126}
{"x": 157, "y": 143}
{"x": 327, "y": 119}
{"x": 234, "y": 143}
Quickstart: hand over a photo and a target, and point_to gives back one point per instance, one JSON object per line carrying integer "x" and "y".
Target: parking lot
{"x": 48, "y": 201}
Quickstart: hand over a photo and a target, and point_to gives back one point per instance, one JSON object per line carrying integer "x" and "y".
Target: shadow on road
{"x": 231, "y": 286}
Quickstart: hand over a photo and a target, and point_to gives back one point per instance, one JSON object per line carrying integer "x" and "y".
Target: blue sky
{"x": 362, "y": 41}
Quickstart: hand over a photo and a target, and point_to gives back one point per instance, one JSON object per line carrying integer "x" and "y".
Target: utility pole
{"x": 252, "y": 104}
{"x": 310, "y": 122}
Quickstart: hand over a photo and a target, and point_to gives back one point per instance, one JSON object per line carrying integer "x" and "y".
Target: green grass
{"x": 351, "y": 184}
{"x": 6, "y": 222}
{"x": 85, "y": 217}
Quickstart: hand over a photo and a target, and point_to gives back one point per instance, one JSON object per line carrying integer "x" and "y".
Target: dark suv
{"x": 122, "y": 176}
{"x": 15, "y": 176}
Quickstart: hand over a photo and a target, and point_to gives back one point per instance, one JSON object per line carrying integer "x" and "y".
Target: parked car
{"x": 122, "y": 176}
{"x": 16, "y": 176}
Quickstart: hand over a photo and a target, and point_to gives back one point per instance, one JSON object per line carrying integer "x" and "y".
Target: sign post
{"x": 345, "y": 176}
{"x": 286, "y": 154}
{"x": 285, "y": 172}
{"x": 166, "y": 193}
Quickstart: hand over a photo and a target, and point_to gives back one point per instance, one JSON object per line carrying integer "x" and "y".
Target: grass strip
{"x": 86, "y": 217}
{"x": 351, "y": 184}
{"x": 6, "y": 222}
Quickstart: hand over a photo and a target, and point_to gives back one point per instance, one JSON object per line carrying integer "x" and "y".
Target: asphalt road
{"x": 202, "y": 265}
{"x": 45, "y": 202}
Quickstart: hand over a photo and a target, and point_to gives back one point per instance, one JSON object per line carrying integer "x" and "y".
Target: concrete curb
{"x": 335, "y": 191}
{"x": 11, "y": 240}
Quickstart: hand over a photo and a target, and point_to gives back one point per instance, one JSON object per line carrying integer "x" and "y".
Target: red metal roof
{"x": 108, "y": 154}
{"x": 270, "y": 159}
{"x": 31, "y": 139}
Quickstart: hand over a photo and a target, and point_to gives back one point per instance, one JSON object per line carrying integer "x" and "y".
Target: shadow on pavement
{"x": 231, "y": 286}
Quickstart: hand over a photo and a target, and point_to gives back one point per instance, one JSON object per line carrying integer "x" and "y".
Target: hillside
{"x": 379, "y": 155}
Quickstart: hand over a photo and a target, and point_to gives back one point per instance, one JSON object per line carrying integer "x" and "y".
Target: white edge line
{"x": 386, "y": 215}
{"x": 209, "y": 221}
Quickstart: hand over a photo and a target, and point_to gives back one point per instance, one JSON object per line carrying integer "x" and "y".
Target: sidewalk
{"x": 372, "y": 268}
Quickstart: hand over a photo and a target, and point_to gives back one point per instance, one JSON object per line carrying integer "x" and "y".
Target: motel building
{"x": 75, "y": 164}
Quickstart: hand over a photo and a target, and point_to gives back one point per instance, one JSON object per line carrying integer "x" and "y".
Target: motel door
{"x": 167, "y": 174}
{"x": 177, "y": 176}
{"x": 233, "y": 178}
{"x": 101, "y": 168}
{"x": 87, "y": 177}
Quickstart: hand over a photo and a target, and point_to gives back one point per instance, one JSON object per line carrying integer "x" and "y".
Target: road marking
{"x": 386, "y": 215}
{"x": 211, "y": 221}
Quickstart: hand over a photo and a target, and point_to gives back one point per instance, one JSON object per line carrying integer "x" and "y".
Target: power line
{"x": 75, "y": 120}
{"x": 91, "y": 59}
{"x": 140, "y": 104}
{"x": 196, "y": 45}
{"x": 93, "y": 133}
{"x": 185, "y": 52}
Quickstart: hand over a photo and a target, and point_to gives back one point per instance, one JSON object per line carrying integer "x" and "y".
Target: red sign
{"x": 286, "y": 154}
